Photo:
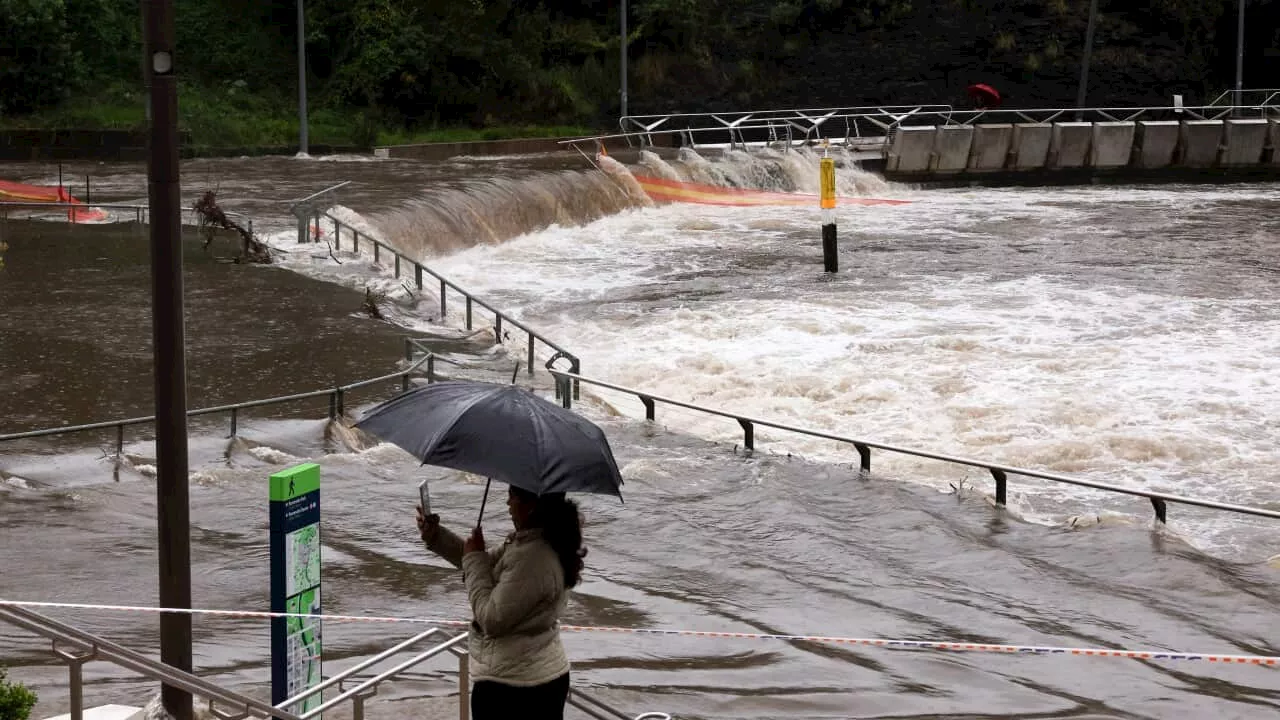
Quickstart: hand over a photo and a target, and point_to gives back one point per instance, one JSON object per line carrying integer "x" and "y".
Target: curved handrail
{"x": 999, "y": 471}
{"x": 446, "y": 284}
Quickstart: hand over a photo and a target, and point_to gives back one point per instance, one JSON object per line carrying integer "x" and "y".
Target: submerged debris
{"x": 212, "y": 216}
{"x": 373, "y": 301}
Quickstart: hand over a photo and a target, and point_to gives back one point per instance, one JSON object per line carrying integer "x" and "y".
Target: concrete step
{"x": 106, "y": 712}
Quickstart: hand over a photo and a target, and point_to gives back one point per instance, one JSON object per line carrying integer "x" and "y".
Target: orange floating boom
{"x": 663, "y": 190}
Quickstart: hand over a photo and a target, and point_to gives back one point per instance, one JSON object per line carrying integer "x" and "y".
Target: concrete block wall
{"x": 990, "y": 148}
{"x": 1111, "y": 144}
{"x": 1243, "y": 142}
{"x": 912, "y": 149}
{"x": 1157, "y": 142}
{"x": 1199, "y": 142}
{"x": 951, "y": 147}
{"x": 1145, "y": 144}
{"x": 1070, "y": 145}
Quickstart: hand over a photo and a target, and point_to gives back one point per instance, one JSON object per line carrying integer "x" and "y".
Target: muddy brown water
{"x": 708, "y": 538}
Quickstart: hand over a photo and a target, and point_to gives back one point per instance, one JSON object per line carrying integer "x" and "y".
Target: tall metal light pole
{"x": 1084, "y": 63}
{"x": 173, "y": 519}
{"x": 623, "y": 51}
{"x": 1240, "y": 56}
{"x": 302, "y": 81}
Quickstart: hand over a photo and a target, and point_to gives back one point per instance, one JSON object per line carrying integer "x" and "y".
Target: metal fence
{"x": 1000, "y": 473}
{"x": 403, "y": 265}
{"x": 141, "y": 213}
{"x": 336, "y": 397}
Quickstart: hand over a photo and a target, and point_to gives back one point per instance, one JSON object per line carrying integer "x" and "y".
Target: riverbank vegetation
{"x": 383, "y": 71}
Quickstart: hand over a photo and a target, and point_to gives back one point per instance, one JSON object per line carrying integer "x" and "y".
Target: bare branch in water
{"x": 212, "y": 216}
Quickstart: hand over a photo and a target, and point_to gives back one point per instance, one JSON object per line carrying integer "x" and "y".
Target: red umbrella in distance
{"x": 984, "y": 96}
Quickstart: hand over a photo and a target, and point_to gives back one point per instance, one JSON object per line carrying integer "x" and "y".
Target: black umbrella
{"x": 499, "y": 431}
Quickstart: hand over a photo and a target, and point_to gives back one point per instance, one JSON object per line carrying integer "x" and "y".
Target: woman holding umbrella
{"x": 517, "y": 594}
{"x": 518, "y": 591}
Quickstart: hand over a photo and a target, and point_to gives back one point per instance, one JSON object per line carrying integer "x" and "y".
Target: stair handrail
{"x": 94, "y": 647}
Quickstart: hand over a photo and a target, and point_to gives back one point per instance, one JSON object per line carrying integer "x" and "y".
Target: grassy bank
{"x": 229, "y": 117}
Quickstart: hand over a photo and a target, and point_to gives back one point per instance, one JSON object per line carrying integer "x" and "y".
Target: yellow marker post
{"x": 827, "y": 180}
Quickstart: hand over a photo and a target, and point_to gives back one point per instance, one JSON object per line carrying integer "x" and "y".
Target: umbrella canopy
{"x": 984, "y": 95}
{"x": 502, "y": 432}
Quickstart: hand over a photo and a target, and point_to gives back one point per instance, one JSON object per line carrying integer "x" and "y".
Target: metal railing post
{"x": 1002, "y": 485}
{"x": 649, "y": 407}
{"x": 864, "y": 458}
{"x": 75, "y": 676}
{"x": 748, "y": 434}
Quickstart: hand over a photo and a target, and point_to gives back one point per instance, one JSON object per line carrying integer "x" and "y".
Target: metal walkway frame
{"x": 870, "y": 128}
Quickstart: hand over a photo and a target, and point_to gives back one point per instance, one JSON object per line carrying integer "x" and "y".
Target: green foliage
{"x": 16, "y": 700}
{"x": 378, "y": 69}
{"x": 39, "y": 62}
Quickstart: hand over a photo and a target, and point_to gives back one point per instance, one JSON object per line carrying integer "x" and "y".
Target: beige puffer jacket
{"x": 517, "y": 596}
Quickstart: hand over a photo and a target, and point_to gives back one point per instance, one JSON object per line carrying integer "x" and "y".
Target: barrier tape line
{"x": 1264, "y": 660}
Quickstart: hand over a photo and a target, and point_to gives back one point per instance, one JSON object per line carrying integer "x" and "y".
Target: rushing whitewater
{"x": 1125, "y": 335}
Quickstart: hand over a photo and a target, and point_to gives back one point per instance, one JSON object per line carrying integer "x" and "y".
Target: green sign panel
{"x": 295, "y": 585}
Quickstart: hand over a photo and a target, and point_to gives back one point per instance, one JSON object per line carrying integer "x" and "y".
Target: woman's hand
{"x": 475, "y": 543}
{"x": 428, "y": 526}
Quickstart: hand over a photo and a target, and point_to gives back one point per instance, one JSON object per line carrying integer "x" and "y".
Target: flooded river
{"x": 1122, "y": 334}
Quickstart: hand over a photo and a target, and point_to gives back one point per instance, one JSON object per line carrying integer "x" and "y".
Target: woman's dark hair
{"x": 561, "y": 524}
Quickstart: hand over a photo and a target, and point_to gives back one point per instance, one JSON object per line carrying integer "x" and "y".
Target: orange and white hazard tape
{"x": 1263, "y": 660}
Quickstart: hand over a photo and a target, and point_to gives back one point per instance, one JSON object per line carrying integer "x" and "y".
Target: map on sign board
{"x": 303, "y": 647}
{"x": 302, "y": 559}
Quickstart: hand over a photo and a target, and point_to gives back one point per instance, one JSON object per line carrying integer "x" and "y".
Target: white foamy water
{"x": 1124, "y": 335}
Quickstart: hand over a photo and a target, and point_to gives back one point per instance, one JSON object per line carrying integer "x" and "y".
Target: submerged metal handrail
{"x": 998, "y": 471}
{"x": 446, "y": 284}
{"x": 336, "y": 408}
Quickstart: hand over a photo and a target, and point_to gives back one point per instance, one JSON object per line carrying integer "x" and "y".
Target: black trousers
{"x": 492, "y": 700}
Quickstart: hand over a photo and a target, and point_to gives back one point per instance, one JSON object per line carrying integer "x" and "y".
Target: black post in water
{"x": 830, "y": 252}
{"x": 168, "y": 343}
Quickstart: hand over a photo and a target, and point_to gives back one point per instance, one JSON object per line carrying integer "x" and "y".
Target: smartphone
{"x": 424, "y": 497}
